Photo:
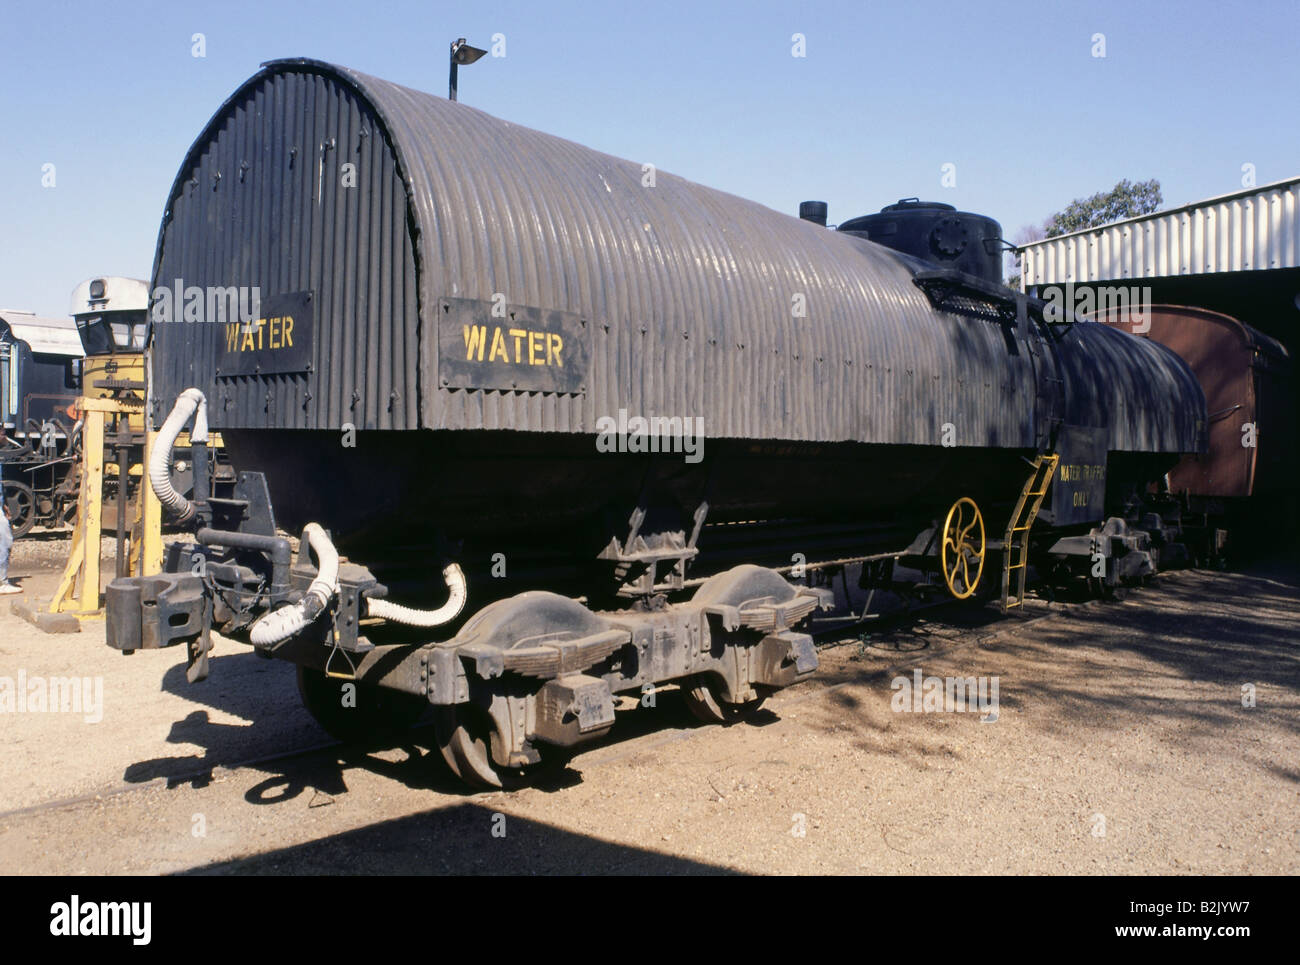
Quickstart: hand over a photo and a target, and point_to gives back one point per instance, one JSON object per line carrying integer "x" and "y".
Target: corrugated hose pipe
{"x": 283, "y": 623}
{"x": 189, "y": 403}
{"x": 455, "y": 580}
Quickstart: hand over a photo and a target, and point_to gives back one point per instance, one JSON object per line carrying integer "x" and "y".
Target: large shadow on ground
{"x": 282, "y": 742}
{"x": 1095, "y": 669}
{"x": 465, "y": 838}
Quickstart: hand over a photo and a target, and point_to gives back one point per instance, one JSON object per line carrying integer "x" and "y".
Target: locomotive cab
{"x": 112, "y": 315}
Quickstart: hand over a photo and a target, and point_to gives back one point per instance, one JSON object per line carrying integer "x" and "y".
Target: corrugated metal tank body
{"x": 674, "y": 299}
{"x": 261, "y": 202}
{"x": 1140, "y": 390}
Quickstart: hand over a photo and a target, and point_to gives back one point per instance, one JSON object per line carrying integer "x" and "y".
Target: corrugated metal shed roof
{"x": 46, "y": 336}
{"x": 1250, "y": 230}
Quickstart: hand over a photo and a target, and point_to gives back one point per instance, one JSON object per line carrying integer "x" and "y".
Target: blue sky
{"x": 887, "y": 93}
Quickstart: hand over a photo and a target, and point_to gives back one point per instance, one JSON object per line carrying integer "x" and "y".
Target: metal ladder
{"x": 1022, "y": 520}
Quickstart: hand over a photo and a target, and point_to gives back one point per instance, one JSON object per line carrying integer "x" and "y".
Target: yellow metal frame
{"x": 1018, "y": 527}
{"x": 957, "y": 536}
{"x": 79, "y": 588}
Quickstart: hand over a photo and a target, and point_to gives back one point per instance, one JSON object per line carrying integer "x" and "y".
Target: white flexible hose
{"x": 283, "y": 623}
{"x": 189, "y": 403}
{"x": 425, "y": 618}
{"x": 287, "y": 621}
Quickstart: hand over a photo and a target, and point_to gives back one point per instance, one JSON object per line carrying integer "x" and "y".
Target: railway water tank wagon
{"x": 571, "y": 427}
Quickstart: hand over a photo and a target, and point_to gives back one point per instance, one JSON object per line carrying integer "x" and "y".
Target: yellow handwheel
{"x": 960, "y": 549}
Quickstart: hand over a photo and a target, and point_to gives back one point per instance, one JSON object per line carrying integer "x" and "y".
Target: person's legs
{"x": 6, "y": 543}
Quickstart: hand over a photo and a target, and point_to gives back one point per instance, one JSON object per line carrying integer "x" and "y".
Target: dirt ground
{"x": 1121, "y": 746}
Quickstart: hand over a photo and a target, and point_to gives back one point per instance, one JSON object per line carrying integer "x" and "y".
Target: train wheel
{"x": 465, "y": 739}
{"x": 21, "y": 503}
{"x": 369, "y": 715}
{"x": 704, "y": 700}
{"x": 962, "y": 549}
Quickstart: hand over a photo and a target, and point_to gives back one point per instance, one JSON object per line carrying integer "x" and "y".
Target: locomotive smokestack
{"x": 814, "y": 211}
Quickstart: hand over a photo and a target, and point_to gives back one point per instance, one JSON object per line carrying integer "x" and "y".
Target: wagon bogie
{"x": 540, "y": 671}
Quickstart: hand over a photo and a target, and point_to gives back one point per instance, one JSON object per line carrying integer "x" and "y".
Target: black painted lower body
{"x": 533, "y": 510}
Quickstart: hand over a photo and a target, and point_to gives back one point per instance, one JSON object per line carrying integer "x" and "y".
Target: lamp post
{"x": 461, "y": 53}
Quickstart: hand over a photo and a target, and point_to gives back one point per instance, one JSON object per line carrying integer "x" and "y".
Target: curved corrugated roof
{"x": 1247, "y": 335}
{"x": 683, "y": 293}
{"x": 550, "y": 223}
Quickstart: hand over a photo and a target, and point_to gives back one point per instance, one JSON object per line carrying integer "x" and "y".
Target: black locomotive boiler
{"x": 621, "y": 418}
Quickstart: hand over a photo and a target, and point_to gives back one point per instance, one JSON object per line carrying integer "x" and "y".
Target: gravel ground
{"x": 1121, "y": 746}
{"x": 47, "y": 549}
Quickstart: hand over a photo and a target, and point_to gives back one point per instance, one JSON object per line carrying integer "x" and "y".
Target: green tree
{"x": 1126, "y": 200}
